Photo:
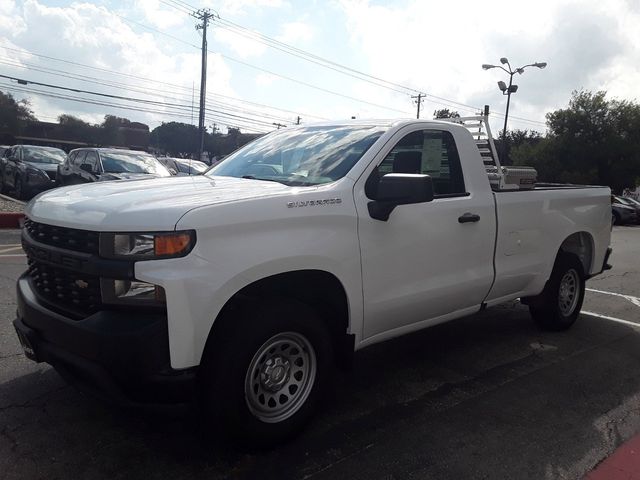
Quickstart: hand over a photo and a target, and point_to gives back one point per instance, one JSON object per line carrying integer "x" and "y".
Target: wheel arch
{"x": 580, "y": 244}
{"x": 319, "y": 289}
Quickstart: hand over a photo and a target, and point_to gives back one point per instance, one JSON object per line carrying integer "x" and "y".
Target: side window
{"x": 79, "y": 159}
{"x": 70, "y": 158}
{"x": 430, "y": 152}
{"x": 92, "y": 159}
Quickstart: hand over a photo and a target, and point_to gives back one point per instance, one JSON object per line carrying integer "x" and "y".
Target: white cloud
{"x": 91, "y": 35}
{"x": 296, "y": 32}
{"x": 10, "y": 20}
{"x": 265, "y": 79}
{"x": 242, "y": 7}
{"x": 439, "y": 47}
{"x": 240, "y": 44}
{"x": 159, "y": 16}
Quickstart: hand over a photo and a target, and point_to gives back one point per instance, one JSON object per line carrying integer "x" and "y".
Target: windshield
{"x": 307, "y": 156}
{"x": 43, "y": 155}
{"x": 131, "y": 162}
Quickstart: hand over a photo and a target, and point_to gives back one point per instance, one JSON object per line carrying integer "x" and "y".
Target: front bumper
{"x": 120, "y": 356}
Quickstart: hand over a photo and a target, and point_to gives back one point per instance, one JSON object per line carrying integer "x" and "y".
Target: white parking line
{"x": 631, "y": 298}
{"x": 612, "y": 319}
{"x": 10, "y": 249}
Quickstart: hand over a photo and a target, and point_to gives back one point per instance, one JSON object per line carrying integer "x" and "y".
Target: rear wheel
{"x": 558, "y": 306}
{"x": 263, "y": 379}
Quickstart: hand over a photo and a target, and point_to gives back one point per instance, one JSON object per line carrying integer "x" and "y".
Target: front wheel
{"x": 558, "y": 306}
{"x": 263, "y": 380}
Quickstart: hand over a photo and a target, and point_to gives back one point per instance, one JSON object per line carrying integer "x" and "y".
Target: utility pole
{"x": 205, "y": 16}
{"x": 279, "y": 125}
{"x": 418, "y": 101}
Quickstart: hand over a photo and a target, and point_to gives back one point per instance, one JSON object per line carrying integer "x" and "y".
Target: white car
{"x": 248, "y": 283}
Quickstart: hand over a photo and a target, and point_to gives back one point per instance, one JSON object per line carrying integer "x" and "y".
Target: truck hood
{"x": 139, "y": 205}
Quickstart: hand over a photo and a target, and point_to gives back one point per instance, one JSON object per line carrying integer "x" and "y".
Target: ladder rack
{"x": 501, "y": 178}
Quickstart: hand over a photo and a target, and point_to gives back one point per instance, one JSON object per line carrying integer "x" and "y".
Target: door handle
{"x": 468, "y": 217}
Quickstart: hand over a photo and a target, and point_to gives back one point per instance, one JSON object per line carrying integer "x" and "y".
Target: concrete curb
{"x": 11, "y": 219}
{"x": 11, "y": 199}
{"x": 624, "y": 463}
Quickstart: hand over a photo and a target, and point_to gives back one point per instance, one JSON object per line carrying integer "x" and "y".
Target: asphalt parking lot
{"x": 485, "y": 397}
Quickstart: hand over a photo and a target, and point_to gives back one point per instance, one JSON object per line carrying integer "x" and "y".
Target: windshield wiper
{"x": 251, "y": 177}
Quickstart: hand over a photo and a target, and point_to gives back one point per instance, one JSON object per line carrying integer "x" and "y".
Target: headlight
{"x": 131, "y": 292}
{"x": 147, "y": 246}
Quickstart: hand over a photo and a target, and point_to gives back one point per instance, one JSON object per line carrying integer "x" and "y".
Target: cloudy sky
{"x": 148, "y": 52}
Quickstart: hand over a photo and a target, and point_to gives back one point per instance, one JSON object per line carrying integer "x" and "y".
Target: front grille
{"x": 67, "y": 238}
{"x": 70, "y": 291}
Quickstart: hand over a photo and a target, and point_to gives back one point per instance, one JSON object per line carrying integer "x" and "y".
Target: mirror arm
{"x": 381, "y": 210}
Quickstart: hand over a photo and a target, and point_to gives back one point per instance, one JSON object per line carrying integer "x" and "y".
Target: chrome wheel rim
{"x": 280, "y": 377}
{"x": 569, "y": 292}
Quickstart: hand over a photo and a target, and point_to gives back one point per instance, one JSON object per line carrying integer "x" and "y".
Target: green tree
{"x": 176, "y": 139}
{"x": 110, "y": 133}
{"x": 514, "y": 140}
{"x": 594, "y": 140}
{"x": 74, "y": 128}
{"x": 445, "y": 113}
{"x": 14, "y": 115}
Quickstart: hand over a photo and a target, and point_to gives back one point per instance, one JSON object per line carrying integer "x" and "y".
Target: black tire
{"x": 18, "y": 188}
{"x": 231, "y": 395}
{"x": 558, "y": 306}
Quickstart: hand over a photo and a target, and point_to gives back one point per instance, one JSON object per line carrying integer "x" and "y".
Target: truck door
{"x": 429, "y": 259}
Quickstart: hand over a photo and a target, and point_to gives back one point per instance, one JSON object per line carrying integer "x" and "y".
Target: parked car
{"x": 184, "y": 166}
{"x": 30, "y": 169}
{"x": 85, "y": 165}
{"x": 623, "y": 213}
{"x": 631, "y": 202}
{"x": 248, "y": 283}
{"x": 3, "y": 149}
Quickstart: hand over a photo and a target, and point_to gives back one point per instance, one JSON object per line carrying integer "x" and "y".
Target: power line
{"x": 93, "y": 80}
{"x": 264, "y": 70}
{"x": 136, "y": 77}
{"x": 132, "y": 99}
{"x": 174, "y": 114}
{"x": 282, "y": 46}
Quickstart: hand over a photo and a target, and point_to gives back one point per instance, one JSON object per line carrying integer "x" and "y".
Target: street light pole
{"x": 509, "y": 90}
{"x": 506, "y": 115}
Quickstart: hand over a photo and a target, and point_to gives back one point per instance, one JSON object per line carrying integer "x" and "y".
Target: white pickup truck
{"x": 244, "y": 286}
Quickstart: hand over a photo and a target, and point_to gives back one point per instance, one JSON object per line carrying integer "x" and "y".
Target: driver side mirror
{"x": 395, "y": 189}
